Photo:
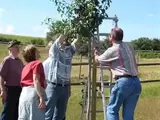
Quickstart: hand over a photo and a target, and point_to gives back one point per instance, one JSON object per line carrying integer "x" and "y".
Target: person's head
{"x": 30, "y": 53}
{"x": 65, "y": 40}
{"x": 116, "y": 35}
{"x": 14, "y": 48}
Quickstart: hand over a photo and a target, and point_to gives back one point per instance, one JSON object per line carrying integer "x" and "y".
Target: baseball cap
{"x": 13, "y": 42}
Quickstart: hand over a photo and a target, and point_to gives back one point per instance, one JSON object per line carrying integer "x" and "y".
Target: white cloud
{"x": 0, "y": 30}
{"x": 8, "y": 29}
{"x": 40, "y": 30}
{"x": 1, "y": 11}
{"x": 150, "y": 15}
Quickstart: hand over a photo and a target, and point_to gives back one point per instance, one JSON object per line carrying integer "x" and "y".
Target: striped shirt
{"x": 121, "y": 59}
{"x": 60, "y": 63}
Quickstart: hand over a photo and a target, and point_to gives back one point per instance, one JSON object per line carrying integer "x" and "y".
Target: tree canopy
{"x": 83, "y": 16}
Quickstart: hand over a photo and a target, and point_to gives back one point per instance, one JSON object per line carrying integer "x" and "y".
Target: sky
{"x": 138, "y": 18}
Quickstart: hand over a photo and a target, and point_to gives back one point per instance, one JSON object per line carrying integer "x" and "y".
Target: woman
{"x": 32, "y": 100}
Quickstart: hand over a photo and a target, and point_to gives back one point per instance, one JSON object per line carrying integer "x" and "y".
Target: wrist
{"x": 2, "y": 89}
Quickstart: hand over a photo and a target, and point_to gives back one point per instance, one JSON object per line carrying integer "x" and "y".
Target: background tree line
{"x": 146, "y": 47}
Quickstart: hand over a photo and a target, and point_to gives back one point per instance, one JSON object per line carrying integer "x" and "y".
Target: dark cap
{"x": 13, "y": 42}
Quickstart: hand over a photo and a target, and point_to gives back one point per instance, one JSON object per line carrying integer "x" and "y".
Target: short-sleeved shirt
{"x": 10, "y": 70}
{"x": 34, "y": 67}
{"x": 61, "y": 63}
{"x": 46, "y": 64}
{"x": 121, "y": 59}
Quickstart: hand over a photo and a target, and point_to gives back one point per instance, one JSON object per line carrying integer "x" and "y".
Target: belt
{"x": 58, "y": 84}
{"x": 125, "y": 76}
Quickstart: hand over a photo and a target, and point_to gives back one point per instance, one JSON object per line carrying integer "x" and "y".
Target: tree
{"x": 142, "y": 43}
{"x": 56, "y": 28}
{"x": 155, "y": 44}
{"x": 104, "y": 45}
{"x": 84, "y": 16}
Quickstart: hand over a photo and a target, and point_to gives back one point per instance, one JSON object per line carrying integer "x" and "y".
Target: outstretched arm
{"x": 55, "y": 45}
{"x": 107, "y": 56}
{"x": 73, "y": 44}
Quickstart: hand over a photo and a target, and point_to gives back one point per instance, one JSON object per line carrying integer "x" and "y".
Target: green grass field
{"x": 23, "y": 39}
{"x": 148, "y": 105}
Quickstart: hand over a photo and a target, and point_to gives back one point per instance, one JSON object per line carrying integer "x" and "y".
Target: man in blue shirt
{"x": 58, "y": 79}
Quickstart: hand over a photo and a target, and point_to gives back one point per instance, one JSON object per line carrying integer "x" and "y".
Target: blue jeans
{"x": 125, "y": 92}
{"x": 57, "y": 102}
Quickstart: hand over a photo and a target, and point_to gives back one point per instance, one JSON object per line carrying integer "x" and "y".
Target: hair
{"x": 117, "y": 34}
{"x": 29, "y": 53}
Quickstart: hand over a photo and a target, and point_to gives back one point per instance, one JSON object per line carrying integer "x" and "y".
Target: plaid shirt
{"x": 121, "y": 59}
{"x": 59, "y": 69}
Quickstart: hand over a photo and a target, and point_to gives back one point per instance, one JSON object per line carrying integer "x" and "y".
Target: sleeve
{"x": 4, "y": 67}
{"x": 38, "y": 68}
{"x": 73, "y": 49}
{"x": 45, "y": 67}
{"x": 54, "y": 47}
{"x": 107, "y": 56}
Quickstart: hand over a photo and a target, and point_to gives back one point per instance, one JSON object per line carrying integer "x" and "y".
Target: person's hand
{"x": 42, "y": 104}
{"x": 3, "y": 95}
{"x": 96, "y": 52}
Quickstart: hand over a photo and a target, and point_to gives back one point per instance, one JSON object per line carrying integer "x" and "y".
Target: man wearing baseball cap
{"x": 10, "y": 73}
{"x": 121, "y": 60}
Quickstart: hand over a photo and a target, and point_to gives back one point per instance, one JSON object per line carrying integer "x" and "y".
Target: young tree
{"x": 84, "y": 16}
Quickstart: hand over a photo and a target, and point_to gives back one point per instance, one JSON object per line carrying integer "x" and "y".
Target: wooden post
{"x": 80, "y": 67}
{"x": 94, "y": 79}
{"x": 89, "y": 80}
{"x": 94, "y": 76}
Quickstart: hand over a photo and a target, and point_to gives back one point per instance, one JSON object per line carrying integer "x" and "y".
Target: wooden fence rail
{"x": 140, "y": 64}
{"x": 107, "y": 83}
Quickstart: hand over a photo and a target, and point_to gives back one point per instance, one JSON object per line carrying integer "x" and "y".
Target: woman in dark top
{"x": 32, "y": 100}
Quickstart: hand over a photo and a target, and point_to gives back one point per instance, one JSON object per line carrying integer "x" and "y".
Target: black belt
{"x": 126, "y": 76}
{"x": 58, "y": 84}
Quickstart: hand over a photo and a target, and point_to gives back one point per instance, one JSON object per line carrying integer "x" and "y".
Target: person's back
{"x": 127, "y": 88}
{"x": 58, "y": 86}
{"x": 124, "y": 62}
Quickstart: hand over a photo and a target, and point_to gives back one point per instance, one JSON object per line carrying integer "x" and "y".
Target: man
{"x": 47, "y": 62}
{"x": 58, "y": 86}
{"x": 10, "y": 74}
{"x": 122, "y": 62}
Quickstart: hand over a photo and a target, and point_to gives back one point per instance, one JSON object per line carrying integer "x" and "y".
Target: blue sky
{"x": 138, "y": 18}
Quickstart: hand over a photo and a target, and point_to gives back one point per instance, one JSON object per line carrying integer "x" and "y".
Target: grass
{"x": 148, "y": 105}
{"x": 23, "y": 39}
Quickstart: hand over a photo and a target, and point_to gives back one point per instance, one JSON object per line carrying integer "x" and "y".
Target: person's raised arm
{"x": 74, "y": 43}
{"x": 107, "y": 56}
{"x": 55, "y": 45}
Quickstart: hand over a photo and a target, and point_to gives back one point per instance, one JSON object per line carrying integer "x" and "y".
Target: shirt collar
{"x": 13, "y": 57}
{"x": 118, "y": 42}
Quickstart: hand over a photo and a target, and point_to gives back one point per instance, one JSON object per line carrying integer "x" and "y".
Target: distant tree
{"x": 155, "y": 44}
{"x": 142, "y": 43}
{"x": 104, "y": 45}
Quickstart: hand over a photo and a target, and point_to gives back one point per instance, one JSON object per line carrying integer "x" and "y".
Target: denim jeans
{"x": 125, "y": 92}
{"x": 57, "y": 102}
